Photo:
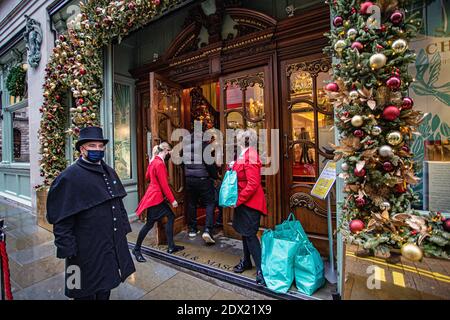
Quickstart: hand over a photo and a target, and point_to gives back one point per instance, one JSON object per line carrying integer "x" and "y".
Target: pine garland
{"x": 76, "y": 65}
{"x": 376, "y": 121}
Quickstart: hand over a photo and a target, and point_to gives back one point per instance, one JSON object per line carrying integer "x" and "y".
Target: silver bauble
{"x": 385, "y": 205}
{"x": 344, "y": 166}
{"x": 376, "y": 130}
{"x": 386, "y": 151}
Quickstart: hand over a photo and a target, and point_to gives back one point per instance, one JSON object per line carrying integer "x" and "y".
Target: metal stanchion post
{"x": 2, "y": 279}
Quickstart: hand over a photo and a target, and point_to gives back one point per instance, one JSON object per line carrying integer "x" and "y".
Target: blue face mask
{"x": 95, "y": 155}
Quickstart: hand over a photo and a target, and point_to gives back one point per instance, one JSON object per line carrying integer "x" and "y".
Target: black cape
{"x": 85, "y": 206}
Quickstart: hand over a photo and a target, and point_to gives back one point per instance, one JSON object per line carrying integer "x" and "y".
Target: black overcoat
{"x": 90, "y": 222}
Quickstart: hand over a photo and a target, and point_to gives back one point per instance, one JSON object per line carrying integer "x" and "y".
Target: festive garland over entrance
{"x": 376, "y": 121}
{"x": 76, "y": 65}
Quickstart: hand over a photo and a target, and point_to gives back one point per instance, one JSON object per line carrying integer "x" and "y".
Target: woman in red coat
{"x": 154, "y": 202}
{"x": 251, "y": 203}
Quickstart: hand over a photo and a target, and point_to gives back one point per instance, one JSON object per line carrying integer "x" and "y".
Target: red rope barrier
{"x": 5, "y": 263}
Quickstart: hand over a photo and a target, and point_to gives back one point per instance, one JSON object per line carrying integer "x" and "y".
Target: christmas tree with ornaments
{"x": 377, "y": 121}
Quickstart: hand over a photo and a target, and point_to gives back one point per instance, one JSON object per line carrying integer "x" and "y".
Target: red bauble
{"x": 356, "y": 225}
{"x": 360, "y": 173}
{"x": 353, "y": 10}
{"x": 358, "y": 133}
{"x": 80, "y": 101}
{"x": 58, "y": 98}
{"x": 333, "y": 87}
{"x": 131, "y": 6}
{"x": 84, "y": 109}
{"x": 338, "y": 21}
{"x": 396, "y": 17}
{"x": 365, "y": 7}
{"x": 446, "y": 224}
{"x": 391, "y": 113}
{"x": 407, "y": 103}
{"x": 62, "y": 37}
{"x": 357, "y": 45}
{"x": 394, "y": 82}
{"x": 388, "y": 167}
{"x": 82, "y": 71}
{"x": 360, "y": 202}
{"x": 156, "y": 2}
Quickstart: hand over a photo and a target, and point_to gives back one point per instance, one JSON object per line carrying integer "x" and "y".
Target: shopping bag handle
{"x": 291, "y": 215}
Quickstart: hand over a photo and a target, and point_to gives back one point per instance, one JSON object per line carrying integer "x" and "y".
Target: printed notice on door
{"x": 437, "y": 177}
{"x": 325, "y": 181}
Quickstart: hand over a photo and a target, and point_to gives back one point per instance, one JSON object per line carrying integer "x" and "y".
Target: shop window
{"x": 122, "y": 130}
{"x": 21, "y": 141}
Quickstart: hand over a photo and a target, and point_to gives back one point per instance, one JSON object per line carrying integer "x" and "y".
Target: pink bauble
{"x": 365, "y": 6}
{"x": 391, "y": 113}
{"x": 356, "y": 225}
{"x": 407, "y": 103}
{"x": 396, "y": 17}
{"x": 447, "y": 225}
{"x": 360, "y": 173}
{"x": 394, "y": 82}
{"x": 357, "y": 45}
{"x": 333, "y": 87}
{"x": 358, "y": 133}
{"x": 360, "y": 202}
{"x": 338, "y": 21}
{"x": 405, "y": 148}
{"x": 388, "y": 167}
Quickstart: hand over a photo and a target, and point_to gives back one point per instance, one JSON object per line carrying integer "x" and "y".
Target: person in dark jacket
{"x": 90, "y": 222}
{"x": 200, "y": 178}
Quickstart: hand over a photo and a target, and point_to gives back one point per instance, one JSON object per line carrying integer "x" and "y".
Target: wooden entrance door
{"x": 246, "y": 103}
{"x": 307, "y": 130}
{"x": 166, "y": 115}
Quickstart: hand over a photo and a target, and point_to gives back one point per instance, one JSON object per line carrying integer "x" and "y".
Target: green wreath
{"x": 16, "y": 81}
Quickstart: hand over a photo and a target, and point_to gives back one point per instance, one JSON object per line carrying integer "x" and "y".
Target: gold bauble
{"x": 399, "y": 46}
{"x": 412, "y": 252}
{"x": 394, "y": 138}
{"x": 357, "y": 121}
{"x": 84, "y": 93}
{"x": 339, "y": 45}
{"x": 377, "y": 61}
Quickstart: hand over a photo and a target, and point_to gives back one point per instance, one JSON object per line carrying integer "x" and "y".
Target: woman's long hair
{"x": 159, "y": 148}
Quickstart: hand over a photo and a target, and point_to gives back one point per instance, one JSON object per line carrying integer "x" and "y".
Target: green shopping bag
{"x": 228, "y": 193}
{"x": 309, "y": 269}
{"x": 277, "y": 261}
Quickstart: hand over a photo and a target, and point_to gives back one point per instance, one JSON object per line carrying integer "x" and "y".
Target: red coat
{"x": 250, "y": 191}
{"x": 158, "y": 187}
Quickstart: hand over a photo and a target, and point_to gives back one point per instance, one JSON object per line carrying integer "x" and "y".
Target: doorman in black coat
{"x": 90, "y": 222}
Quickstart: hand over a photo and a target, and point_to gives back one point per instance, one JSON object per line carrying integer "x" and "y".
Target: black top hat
{"x": 90, "y": 134}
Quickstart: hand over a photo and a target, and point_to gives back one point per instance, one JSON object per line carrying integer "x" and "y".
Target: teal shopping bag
{"x": 308, "y": 264}
{"x": 292, "y": 229}
{"x": 277, "y": 261}
{"x": 309, "y": 269}
{"x": 228, "y": 193}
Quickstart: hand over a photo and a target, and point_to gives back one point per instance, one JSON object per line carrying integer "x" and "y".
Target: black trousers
{"x": 102, "y": 295}
{"x": 252, "y": 247}
{"x": 200, "y": 189}
{"x": 154, "y": 214}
